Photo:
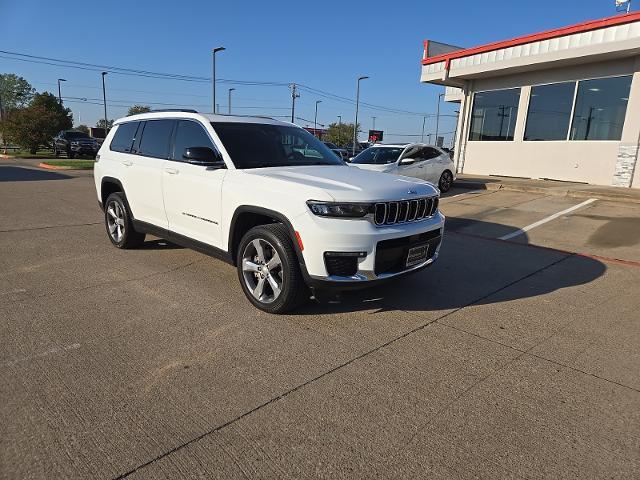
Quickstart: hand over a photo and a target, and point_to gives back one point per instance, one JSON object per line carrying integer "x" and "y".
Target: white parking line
{"x": 546, "y": 219}
{"x": 464, "y": 193}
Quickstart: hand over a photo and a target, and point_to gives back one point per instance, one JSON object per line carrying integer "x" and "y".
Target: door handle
{"x": 127, "y": 163}
{"x": 171, "y": 171}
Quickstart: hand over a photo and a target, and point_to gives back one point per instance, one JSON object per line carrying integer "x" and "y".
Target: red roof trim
{"x": 558, "y": 32}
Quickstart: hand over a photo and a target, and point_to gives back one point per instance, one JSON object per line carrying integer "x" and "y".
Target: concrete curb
{"x": 551, "y": 191}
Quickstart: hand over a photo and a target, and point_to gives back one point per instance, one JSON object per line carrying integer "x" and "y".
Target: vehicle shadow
{"x": 473, "y": 268}
{"x": 10, "y": 173}
{"x": 159, "y": 244}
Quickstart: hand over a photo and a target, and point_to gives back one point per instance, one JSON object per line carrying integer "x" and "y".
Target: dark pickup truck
{"x": 72, "y": 143}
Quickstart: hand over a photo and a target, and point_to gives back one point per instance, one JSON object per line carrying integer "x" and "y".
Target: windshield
{"x": 260, "y": 145}
{"x": 378, "y": 155}
{"x": 76, "y": 135}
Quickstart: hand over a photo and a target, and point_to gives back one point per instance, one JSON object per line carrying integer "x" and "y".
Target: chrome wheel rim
{"x": 115, "y": 221}
{"x": 262, "y": 271}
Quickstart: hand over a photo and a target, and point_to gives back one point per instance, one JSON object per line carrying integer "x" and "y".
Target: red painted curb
{"x": 53, "y": 167}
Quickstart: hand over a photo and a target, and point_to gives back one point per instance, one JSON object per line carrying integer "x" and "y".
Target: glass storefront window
{"x": 549, "y": 112}
{"x": 494, "y": 115}
{"x": 601, "y": 106}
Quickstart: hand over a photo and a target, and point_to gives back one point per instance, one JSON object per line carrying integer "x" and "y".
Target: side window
{"x": 156, "y": 138}
{"x": 189, "y": 134}
{"x": 124, "y": 137}
{"x": 428, "y": 153}
{"x": 412, "y": 152}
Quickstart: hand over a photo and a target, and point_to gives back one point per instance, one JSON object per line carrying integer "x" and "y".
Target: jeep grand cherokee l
{"x": 269, "y": 198}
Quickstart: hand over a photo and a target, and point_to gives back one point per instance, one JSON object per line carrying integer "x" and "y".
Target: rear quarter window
{"x": 124, "y": 137}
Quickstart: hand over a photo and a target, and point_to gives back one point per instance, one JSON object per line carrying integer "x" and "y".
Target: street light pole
{"x": 355, "y": 125}
{"x": 104, "y": 101}
{"x": 59, "y": 91}
{"x": 230, "y": 90}
{"x": 438, "y": 117}
{"x": 424, "y": 119}
{"x": 374, "y": 122}
{"x": 213, "y": 77}
{"x": 315, "y": 120}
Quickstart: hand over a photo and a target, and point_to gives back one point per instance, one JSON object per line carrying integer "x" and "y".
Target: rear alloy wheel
{"x": 446, "y": 180}
{"x": 119, "y": 225}
{"x": 268, "y": 269}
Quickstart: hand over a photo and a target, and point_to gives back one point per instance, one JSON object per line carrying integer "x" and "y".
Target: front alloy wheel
{"x": 269, "y": 270}
{"x": 115, "y": 222}
{"x": 262, "y": 270}
{"x": 118, "y": 222}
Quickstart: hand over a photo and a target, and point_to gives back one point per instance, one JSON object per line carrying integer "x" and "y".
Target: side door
{"x": 431, "y": 164}
{"x": 193, "y": 193}
{"x": 413, "y": 168}
{"x": 143, "y": 170}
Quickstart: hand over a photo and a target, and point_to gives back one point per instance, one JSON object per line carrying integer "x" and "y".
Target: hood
{"x": 373, "y": 167}
{"x": 347, "y": 184}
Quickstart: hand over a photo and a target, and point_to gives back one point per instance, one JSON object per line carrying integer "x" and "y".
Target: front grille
{"x": 341, "y": 266}
{"x": 391, "y": 255}
{"x": 390, "y": 213}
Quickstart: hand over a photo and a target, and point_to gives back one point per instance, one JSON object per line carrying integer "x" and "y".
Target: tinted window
{"x": 156, "y": 138}
{"x": 259, "y": 145}
{"x": 124, "y": 136}
{"x": 549, "y": 111}
{"x": 428, "y": 153}
{"x": 189, "y": 134}
{"x": 378, "y": 156}
{"x": 601, "y": 105}
{"x": 494, "y": 115}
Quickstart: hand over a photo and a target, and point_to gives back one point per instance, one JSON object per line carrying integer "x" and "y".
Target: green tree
{"x": 30, "y": 127}
{"x": 82, "y": 128}
{"x": 138, "y": 109}
{"x": 15, "y": 92}
{"x": 63, "y": 116}
{"x": 340, "y": 133}
{"x": 100, "y": 124}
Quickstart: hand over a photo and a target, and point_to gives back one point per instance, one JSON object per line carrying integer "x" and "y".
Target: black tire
{"x": 446, "y": 181}
{"x": 70, "y": 154}
{"x": 293, "y": 291}
{"x": 116, "y": 213}
{"x": 56, "y": 153}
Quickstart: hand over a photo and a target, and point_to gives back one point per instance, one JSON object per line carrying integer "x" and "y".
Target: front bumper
{"x": 88, "y": 149}
{"x": 320, "y": 235}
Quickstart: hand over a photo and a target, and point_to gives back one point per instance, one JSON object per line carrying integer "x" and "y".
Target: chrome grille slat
{"x": 405, "y": 211}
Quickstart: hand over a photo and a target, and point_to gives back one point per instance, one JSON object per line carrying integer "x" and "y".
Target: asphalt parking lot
{"x": 506, "y": 359}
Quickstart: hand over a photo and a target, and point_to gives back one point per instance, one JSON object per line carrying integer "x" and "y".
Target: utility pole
{"x": 438, "y": 118}
{"x": 1, "y": 117}
{"x": 355, "y": 125}
{"x": 104, "y": 101}
{"x": 230, "y": 90}
{"x": 315, "y": 120}
{"x": 339, "y": 128}
{"x": 213, "y": 77}
{"x": 59, "y": 91}
{"x": 424, "y": 119}
{"x": 294, "y": 95}
{"x": 374, "y": 122}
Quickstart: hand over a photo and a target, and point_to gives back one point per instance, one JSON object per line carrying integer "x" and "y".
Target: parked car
{"x": 341, "y": 152}
{"x": 412, "y": 160}
{"x": 269, "y": 198}
{"x": 72, "y": 143}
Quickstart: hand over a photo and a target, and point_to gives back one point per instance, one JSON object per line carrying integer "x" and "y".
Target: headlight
{"x": 344, "y": 210}
{"x": 74, "y": 143}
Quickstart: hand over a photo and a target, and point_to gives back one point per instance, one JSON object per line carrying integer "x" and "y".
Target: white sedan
{"x": 413, "y": 160}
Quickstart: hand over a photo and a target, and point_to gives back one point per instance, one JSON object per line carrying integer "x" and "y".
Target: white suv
{"x": 266, "y": 196}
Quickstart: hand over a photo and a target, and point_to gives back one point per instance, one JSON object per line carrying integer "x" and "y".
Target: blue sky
{"x": 324, "y": 45}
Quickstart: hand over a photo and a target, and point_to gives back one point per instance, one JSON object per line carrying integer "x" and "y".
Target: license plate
{"x": 417, "y": 255}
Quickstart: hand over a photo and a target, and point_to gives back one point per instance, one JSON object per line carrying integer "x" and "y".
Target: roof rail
{"x": 185, "y": 110}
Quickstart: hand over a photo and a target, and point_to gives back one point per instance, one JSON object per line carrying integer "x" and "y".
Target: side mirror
{"x": 407, "y": 161}
{"x": 350, "y": 159}
{"x": 203, "y": 156}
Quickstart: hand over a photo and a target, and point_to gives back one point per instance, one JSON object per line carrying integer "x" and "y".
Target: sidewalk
{"x": 549, "y": 187}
